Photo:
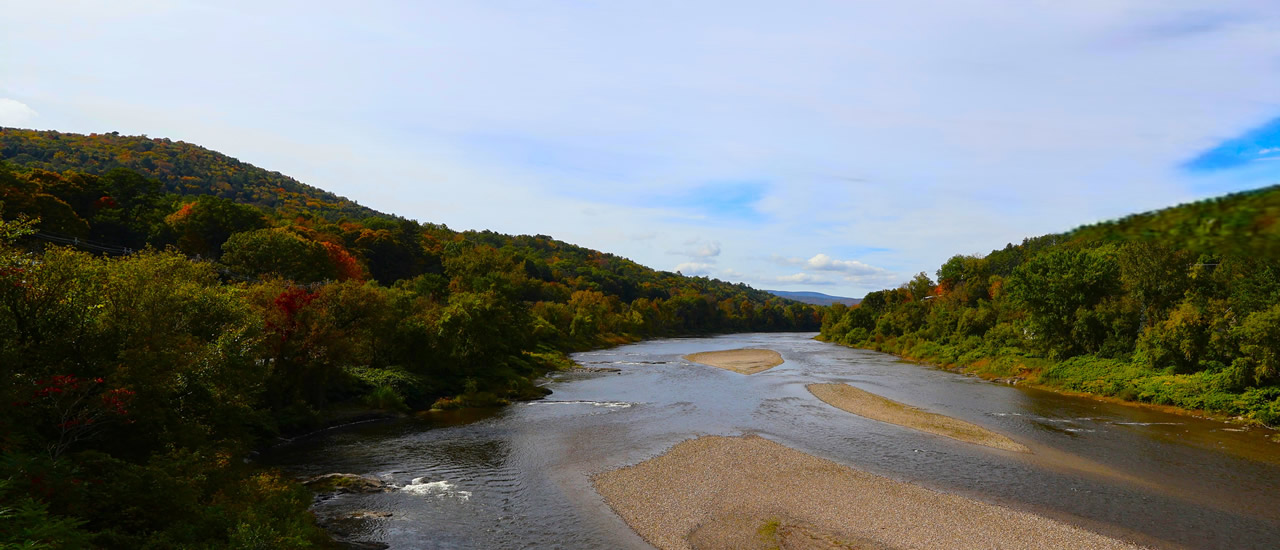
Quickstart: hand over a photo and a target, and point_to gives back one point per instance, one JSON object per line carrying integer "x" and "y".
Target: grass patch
{"x": 1208, "y": 390}
{"x": 385, "y": 398}
{"x": 551, "y": 360}
{"x": 768, "y": 533}
{"x": 469, "y": 400}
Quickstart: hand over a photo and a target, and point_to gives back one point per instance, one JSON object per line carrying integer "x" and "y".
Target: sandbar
{"x": 741, "y": 361}
{"x": 870, "y": 405}
{"x": 749, "y": 492}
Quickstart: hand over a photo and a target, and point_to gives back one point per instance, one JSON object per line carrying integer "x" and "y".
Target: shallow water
{"x": 519, "y": 477}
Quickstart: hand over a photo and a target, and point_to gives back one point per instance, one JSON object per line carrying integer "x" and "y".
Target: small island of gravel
{"x": 741, "y": 361}
{"x": 749, "y": 492}
{"x": 870, "y": 405}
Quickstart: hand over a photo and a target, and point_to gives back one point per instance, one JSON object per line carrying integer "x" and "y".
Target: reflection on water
{"x": 519, "y": 477}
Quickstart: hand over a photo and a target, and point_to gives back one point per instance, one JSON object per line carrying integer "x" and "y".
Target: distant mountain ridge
{"x": 815, "y": 298}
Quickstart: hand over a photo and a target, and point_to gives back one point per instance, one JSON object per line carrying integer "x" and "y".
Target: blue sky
{"x": 1252, "y": 149}
{"x": 833, "y": 146}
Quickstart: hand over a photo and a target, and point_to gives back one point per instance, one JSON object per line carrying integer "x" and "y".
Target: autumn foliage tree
{"x": 124, "y": 382}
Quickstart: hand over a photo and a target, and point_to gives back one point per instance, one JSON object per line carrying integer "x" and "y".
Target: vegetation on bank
{"x": 1179, "y": 307}
{"x": 137, "y": 383}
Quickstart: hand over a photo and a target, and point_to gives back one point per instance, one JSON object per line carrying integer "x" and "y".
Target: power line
{"x": 82, "y": 243}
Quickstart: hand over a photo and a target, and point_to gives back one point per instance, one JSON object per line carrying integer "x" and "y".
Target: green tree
{"x": 1056, "y": 284}
{"x": 1259, "y": 337}
{"x": 131, "y": 212}
{"x": 203, "y": 225}
{"x": 278, "y": 251}
{"x": 920, "y": 287}
{"x": 1155, "y": 275}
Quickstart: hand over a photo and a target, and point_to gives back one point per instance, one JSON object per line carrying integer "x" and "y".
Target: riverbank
{"x": 742, "y": 361}
{"x": 749, "y": 492}
{"x": 529, "y": 466}
{"x": 875, "y": 407}
{"x": 1106, "y": 380}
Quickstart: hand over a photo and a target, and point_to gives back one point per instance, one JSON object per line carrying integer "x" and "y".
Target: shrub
{"x": 385, "y": 398}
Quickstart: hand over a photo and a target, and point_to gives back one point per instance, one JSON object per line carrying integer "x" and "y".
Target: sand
{"x": 870, "y": 405}
{"x": 749, "y": 492}
{"x": 741, "y": 361}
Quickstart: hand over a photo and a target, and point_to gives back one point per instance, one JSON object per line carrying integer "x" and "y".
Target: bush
{"x": 1262, "y": 404}
{"x": 385, "y": 398}
{"x": 26, "y": 524}
{"x": 389, "y": 386}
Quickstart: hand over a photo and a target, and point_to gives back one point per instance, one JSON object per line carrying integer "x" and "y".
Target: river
{"x": 519, "y": 477}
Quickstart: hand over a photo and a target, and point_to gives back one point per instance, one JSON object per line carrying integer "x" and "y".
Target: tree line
{"x": 1178, "y": 307}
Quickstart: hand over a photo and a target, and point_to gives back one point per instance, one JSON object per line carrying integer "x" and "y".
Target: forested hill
{"x": 1243, "y": 224}
{"x": 187, "y": 169}
{"x": 136, "y": 383}
{"x": 182, "y": 168}
{"x": 1180, "y": 306}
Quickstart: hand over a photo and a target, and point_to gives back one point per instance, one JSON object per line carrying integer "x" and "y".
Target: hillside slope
{"x": 187, "y": 169}
{"x": 1238, "y": 224}
{"x": 1176, "y": 307}
{"x": 182, "y": 168}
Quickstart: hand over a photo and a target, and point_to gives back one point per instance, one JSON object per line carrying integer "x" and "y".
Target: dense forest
{"x": 1176, "y": 307}
{"x": 204, "y": 307}
{"x": 180, "y": 167}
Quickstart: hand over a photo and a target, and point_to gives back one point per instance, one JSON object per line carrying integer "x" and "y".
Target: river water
{"x": 519, "y": 477}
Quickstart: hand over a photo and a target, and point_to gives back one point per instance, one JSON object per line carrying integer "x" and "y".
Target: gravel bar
{"x": 749, "y": 492}
{"x": 741, "y": 361}
{"x": 870, "y": 405}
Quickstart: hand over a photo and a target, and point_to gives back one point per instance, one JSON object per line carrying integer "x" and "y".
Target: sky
{"x": 839, "y": 147}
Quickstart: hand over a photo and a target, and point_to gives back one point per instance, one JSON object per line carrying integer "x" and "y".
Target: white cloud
{"x": 803, "y": 278}
{"x": 694, "y": 268}
{"x": 823, "y": 262}
{"x": 14, "y": 113}
{"x": 707, "y": 250}
{"x": 697, "y": 248}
